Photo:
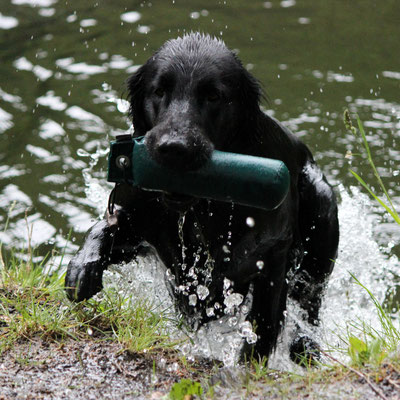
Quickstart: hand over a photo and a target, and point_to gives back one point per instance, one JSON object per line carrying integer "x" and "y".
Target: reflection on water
{"x": 63, "y": 70}
{"x": 64, "y": 67}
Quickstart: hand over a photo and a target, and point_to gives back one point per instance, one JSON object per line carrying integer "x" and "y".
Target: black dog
{"x": 192, "y": 96}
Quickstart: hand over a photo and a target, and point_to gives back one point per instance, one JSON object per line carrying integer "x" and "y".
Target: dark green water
{"x": 62, "y": 70}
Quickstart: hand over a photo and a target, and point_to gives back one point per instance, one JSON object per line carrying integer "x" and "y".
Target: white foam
{"x": 359, "y": 255}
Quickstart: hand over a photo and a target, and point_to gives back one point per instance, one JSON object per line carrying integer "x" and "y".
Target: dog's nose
{"x": 175, "y": 152}
{"x": 178, "y": 151}
{"x": 173, "y": 147}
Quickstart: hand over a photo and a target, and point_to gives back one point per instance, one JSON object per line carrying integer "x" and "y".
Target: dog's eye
{"x": 159, "y": 92}
{"x": 213, "y": 96}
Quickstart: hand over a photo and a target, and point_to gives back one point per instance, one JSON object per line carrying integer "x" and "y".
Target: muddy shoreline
{"x": 37, "y": 369}
{"x": 92, "y": 369}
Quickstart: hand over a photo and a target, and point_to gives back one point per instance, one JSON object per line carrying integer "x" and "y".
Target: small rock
{"x": 229, "y": 377}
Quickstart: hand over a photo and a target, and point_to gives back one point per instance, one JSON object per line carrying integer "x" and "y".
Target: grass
{"x": 361, "y": 137}
{"x": 33, "y": 303}
{"x": 372, "y": 344}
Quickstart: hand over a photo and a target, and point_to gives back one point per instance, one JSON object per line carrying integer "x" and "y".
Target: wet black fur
{"x": 192, "y": 96}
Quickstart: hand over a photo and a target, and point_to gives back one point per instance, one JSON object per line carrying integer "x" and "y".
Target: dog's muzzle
{"x": 186, "y": 151}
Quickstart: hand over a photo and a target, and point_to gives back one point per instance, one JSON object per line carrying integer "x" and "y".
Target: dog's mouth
{"x": 178, "y": 202}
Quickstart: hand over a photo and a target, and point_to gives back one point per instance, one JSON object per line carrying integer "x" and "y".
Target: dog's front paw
{"x": 304, "y": 351}
{"x": 83, "y": 281}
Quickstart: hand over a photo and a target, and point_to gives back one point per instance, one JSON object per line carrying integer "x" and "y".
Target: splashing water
{"x": 223, "y": 338}
{"x": 360, "y": 255}
{"x": 95, "y": 189}
{"x": 345, "y": 301}
{"x": 181, "y": 222}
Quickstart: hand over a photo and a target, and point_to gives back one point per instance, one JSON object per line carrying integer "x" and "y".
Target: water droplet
{"x": 192, "y": 300}
{"x": 227, "y": 283}
{"x": 122, "y": 106}
{"x": 260, "y": 264}
{"x": 182, "y": 289}
{"x": 202, "y": 292}
{"x": 195, "y": 15}
{"x": 168, "y": 273}
{"x": 232, "y": 321}
{"x": 252, "y": 338}
{"x": 210, "y": 312}
{"x": 250, "y": 222}
{"x": 234, "y": 299}
{"x": 245, "y": 328}
{"x": 196, "y": 257}
{"x": 225, "y": 249}
{"x": 82, "y": 153}
{"x": 244, "y": 310}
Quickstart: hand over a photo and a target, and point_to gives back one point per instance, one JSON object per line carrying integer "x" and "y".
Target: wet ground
{"x": 42, "y": 369}
{"x": 39, "y": 369}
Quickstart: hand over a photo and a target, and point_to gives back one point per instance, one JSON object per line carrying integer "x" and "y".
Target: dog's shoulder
{"x": 281, "y": 143}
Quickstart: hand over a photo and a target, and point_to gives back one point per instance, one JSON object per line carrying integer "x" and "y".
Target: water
{"x": 63, "y": 66}
{"x": 345, "y": 302}
{"x": 146, "y": 279}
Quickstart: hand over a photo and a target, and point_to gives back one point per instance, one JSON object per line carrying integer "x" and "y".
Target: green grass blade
{"x": 391, "y": 211}
{"x": 371, "y": 162}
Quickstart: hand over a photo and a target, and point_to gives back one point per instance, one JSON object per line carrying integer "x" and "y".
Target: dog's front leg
{"x": 112, "y": 240}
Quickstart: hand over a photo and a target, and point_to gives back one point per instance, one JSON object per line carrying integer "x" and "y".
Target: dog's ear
{"x": 250, "y": 93}
{"x": 136, "y": 91}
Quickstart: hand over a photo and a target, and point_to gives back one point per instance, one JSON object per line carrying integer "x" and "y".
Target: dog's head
{"x": 191, "y": 96}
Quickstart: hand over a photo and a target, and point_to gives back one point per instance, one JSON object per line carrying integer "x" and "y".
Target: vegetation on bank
{"x": 361, "y": 138}
{"x": 33, "y": 304}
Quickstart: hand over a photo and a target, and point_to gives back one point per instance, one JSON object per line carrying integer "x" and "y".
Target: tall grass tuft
{"x": 371, "y": 345}
{"x": 388, "y": 204}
